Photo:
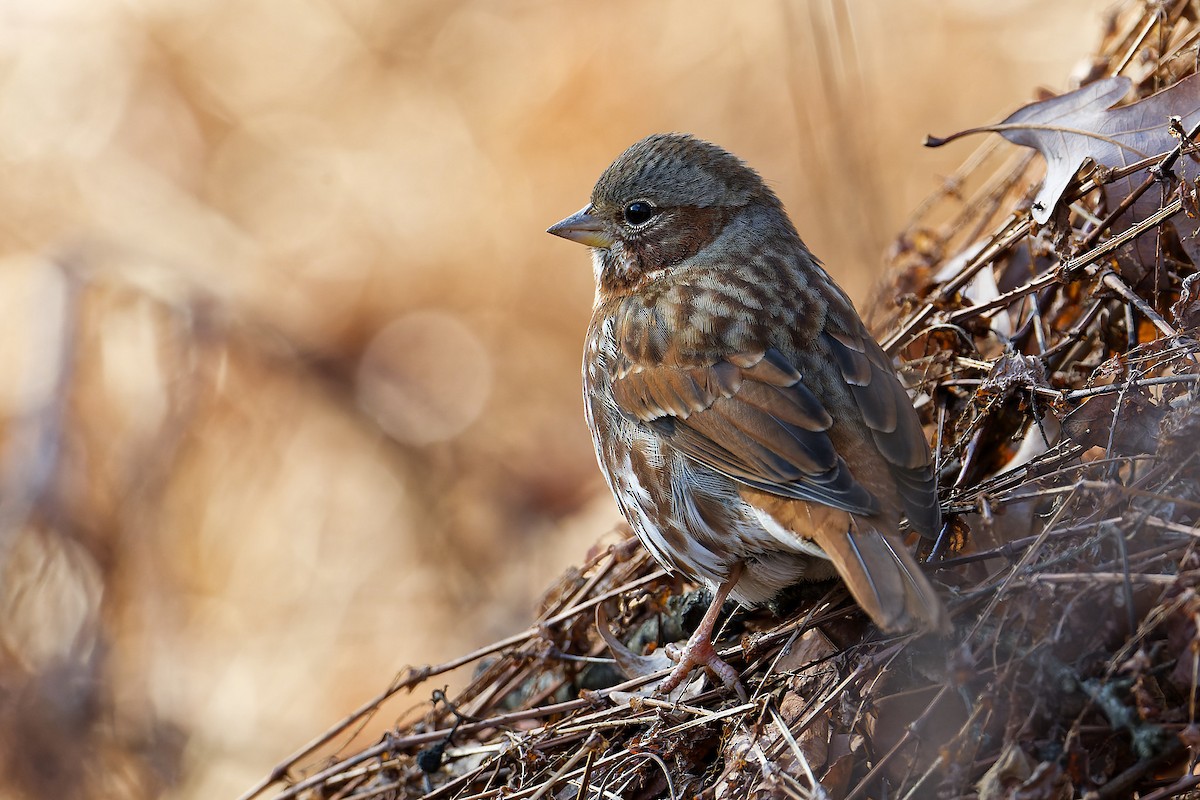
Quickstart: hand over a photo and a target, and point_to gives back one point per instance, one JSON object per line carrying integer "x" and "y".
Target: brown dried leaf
{"x": 1148, "y": 698}
{"x": 630, "y": 663}
{"x": 1190, "y": 198}
{"x": 1071, "y": 129}
{"x": 1015, "y": 371}
{"x": 809, "y": 649}
{"x": 1132, "y": 431}
{"x": 841, "y": 756}
{"x": 1190, "y": 736}
{"x": 1048, "y": 782}
{"x": 1183, "y": 639}
{"x": 1186, "y": 310}
{"x": 1180, "y": 429}
{"x": 813, "y": 741}
{"x": 1015, "y": 776}
{"x": 1010, "y": 770}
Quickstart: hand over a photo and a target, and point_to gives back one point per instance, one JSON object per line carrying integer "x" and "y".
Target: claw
{"x": 699, "y": 651}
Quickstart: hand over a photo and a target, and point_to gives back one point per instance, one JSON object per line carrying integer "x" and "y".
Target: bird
{"x": 752, "y": 431}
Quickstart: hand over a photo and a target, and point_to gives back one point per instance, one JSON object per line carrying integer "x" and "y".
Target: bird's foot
{"x": 699, "y": 652}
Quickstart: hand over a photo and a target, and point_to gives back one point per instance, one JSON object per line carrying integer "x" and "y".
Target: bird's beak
{"x": 582, "y": 227}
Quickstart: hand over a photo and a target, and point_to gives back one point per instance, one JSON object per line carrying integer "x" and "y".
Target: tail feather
{"x": 917, "y": 587}
{"x": 881, "y": 583}
{"x": 884, "y": 577}
{"x": 880, "y": 572}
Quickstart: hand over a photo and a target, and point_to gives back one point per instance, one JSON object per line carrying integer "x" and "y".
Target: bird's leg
{"x": 699, "y": 650}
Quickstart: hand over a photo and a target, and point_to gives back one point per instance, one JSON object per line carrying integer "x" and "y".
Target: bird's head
{"x": 663, "y": 200}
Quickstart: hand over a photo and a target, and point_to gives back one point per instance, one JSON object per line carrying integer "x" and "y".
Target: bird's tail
{"x": 884, "y": 578}
{"x": 880, "y": 572}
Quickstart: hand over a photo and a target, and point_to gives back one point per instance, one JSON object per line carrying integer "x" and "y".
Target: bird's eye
{"x": 639, "y": 212}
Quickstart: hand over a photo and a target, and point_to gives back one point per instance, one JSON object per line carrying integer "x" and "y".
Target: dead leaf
{"x": 630, "y": 663}
{"x": 1082, "y": 127}
{"x": 1190, "y": 198}
{"x": 1010, "y": 770}
{"x": 813, "y": 744}
{"x": 1186, "y": 310}
{"x": 1131, "y": 431}
{"x": 1048, "y": 782}
{"x": 841, "y": 755}
{"x": 1014, "y": 371}
{"x": 634, "y": 666}
{"x": 1073, "y": 128}
{"x": 1015, "y": 776}
{"x": 1190, "y": 736}
{"x": 805, "y": 656}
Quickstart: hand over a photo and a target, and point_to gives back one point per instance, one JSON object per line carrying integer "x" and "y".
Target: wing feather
{"x": 751, "y": 418}
{"x": 894, "y": 425}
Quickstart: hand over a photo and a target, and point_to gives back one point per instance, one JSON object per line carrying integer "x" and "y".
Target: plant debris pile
{"x": 1045, "y": 308}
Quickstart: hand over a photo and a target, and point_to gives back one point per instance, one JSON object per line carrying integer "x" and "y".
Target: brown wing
{"x": 750, "y": 417}
{"x": 894, "y": 425}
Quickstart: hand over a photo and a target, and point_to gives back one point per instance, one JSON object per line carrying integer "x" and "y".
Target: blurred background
{"x": 291, "y": 393}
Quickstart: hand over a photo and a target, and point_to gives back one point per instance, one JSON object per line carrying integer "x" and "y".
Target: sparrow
{"x": 753, "y": 432}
